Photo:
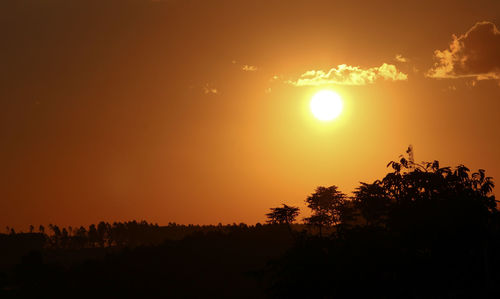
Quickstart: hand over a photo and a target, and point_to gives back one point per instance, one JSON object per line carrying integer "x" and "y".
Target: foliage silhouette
{"x": 425, "y": 231}
{"x": 209, "y": 261}
{"x": 422, "y": 231}
{"x": 285, "y": 215}
{"x": 327, "y": 205}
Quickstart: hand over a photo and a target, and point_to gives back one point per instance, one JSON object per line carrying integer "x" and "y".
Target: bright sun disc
{"x": 326, "y": 105}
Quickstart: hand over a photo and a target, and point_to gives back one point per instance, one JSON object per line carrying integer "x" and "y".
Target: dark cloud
{"x": 474, "y": 54}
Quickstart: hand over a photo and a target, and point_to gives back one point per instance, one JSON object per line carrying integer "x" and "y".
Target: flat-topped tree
{"x": 283, "y": 215}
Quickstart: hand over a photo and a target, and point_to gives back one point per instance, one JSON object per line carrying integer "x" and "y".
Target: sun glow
{"x": 326, "y": 105}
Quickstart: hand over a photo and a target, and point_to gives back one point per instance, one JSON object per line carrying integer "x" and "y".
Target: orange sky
{"x": 193, "y": 111}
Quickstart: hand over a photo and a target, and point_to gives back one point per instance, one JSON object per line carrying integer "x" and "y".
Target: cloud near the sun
{"x": 475, "y": 54}
{"x": 350, "y": 75}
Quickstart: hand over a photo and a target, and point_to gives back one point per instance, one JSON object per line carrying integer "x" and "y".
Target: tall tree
{"x": 93, "y": 236}
{"x": 326, "y": 204}
{"x": 56, "y": 237}
{"x": 102, "y": 232}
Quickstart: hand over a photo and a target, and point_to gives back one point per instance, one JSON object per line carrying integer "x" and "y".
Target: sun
{"x": 326, "y": 105}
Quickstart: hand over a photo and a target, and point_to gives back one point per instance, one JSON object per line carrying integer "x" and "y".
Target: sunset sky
{"x": 197, "y": 111}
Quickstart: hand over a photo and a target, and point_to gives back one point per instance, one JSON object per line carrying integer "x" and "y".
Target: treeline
{"x": 105, "y": 234}
{"x": 220, "y": 262}
{"x": 422, "y": 231}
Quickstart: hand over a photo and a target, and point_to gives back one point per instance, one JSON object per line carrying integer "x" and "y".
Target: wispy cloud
{"x": 350, "y": 75}
{"x": 249, "y": 68}
{"x": 208, "y": 89}
{"x": 474, "y": 54}
{"x": 400, "y": 58}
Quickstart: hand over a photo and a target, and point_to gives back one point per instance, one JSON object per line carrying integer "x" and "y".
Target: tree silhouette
{"x": 93, "y": 236}
{"x": 64, "y": 238}
{"x": 80, "y": 238}
{"x": 424, "y": 225}
{"x": 427, "y": 195}
{"x": 282, "y": 215}
{"x": 426, "y": 231}
{"x": 372, "y": 203}
{"x": 327, "y": 204}
{"x": 56, "y": 237}
{"x": 102, "y": 233}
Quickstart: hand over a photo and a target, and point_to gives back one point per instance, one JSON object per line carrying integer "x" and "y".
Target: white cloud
{"x": 350, "y": 75}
